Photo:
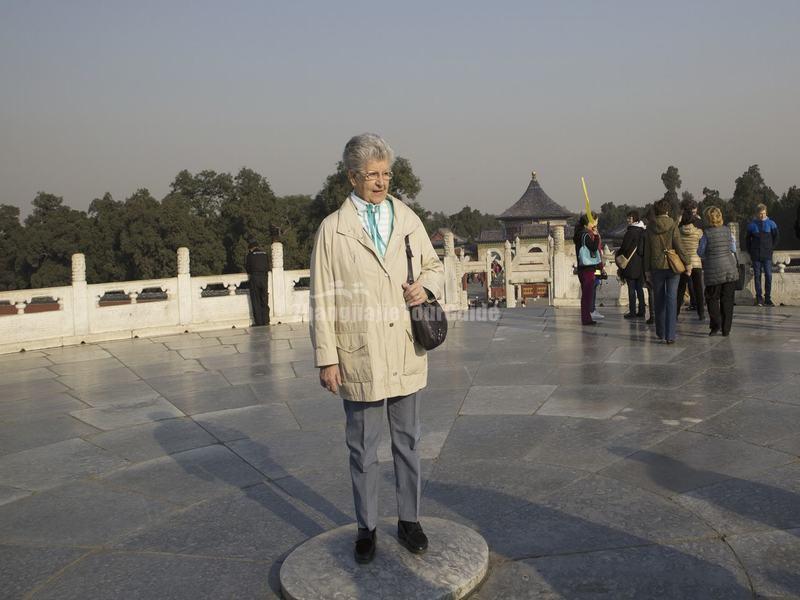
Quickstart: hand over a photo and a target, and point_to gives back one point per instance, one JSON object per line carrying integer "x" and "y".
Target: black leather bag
{"x": 740, "y": 279}
{"x": 428, "y": 321}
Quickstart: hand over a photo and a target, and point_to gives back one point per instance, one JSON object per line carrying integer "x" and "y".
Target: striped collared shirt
{"x": 384, "y": 217}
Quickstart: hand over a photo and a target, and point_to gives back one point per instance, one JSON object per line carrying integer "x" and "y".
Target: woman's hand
{"x": 414, "y": 294}
{"x": 330, "y": 378}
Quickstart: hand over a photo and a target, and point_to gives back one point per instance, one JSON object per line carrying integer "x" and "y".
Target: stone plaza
{"x": 595, "y": 463}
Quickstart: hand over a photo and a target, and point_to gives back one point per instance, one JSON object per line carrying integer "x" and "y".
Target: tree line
{"x": 750, "y": 191}
{"x": 213, "y": 214}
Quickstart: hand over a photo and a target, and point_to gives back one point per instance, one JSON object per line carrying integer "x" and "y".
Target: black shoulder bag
{"x": 428, "y": 321}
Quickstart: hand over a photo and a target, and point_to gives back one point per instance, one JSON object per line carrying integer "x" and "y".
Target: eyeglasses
{"x": 374, "y": 175}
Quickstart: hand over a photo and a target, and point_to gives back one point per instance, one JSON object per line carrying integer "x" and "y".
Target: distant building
{"x": 460, "y": 243}
{"x": 526, "y": 225}
{"x": 528, "y": 219}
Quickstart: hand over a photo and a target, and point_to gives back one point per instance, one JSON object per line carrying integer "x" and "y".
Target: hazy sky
{"x": 112, "y": 96}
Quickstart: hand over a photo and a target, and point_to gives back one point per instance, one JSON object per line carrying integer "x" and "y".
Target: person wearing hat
{"x": 257, "y": 264}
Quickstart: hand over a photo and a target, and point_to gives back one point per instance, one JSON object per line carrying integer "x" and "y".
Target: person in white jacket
{"x": 361, "y": 332}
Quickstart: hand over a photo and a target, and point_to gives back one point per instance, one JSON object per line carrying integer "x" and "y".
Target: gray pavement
{"x": 597, "y": 463}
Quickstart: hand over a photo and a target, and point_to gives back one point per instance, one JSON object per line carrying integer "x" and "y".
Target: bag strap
{"x": 409, "y": 256}
{"x": 664, "y": 243}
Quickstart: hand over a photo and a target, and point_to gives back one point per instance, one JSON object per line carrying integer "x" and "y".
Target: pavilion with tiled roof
{"x": 533, "y": 207}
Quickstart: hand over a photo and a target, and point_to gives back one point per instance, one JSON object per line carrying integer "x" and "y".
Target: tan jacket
{"x": 358, "y": 317}
{"x": 690, "y": 236}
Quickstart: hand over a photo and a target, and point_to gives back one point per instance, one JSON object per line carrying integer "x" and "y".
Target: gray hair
{"x": 363, "y": 148}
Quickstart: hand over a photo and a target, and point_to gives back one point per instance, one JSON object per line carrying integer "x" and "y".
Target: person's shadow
{"x": 775, "y": 508}
{"x": 271, "y": 471}
{"x": 554, "y": 554}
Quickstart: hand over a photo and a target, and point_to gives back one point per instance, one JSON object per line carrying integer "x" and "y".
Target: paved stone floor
{"x": 596, "y": 463}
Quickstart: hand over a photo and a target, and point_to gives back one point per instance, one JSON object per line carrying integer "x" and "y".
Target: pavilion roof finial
{"x": 533, "y": 175}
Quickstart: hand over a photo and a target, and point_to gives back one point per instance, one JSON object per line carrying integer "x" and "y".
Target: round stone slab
{"x": 323, "y": 568}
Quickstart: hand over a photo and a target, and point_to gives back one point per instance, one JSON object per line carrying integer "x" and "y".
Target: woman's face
{"x": 371, "y": 191}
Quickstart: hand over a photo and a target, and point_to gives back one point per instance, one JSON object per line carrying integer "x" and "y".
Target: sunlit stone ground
{"x": 596, "y": 463}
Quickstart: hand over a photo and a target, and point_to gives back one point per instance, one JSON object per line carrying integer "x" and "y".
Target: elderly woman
{"x": 717, "y": 249}
{"x": 361, "y": 332}
{"x": 663, "y": 235}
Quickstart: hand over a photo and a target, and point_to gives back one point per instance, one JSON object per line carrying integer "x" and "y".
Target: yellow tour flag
{"x": 589, "y": 215}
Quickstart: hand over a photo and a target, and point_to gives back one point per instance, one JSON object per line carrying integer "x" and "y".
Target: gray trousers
{"x": 363, "y": 433}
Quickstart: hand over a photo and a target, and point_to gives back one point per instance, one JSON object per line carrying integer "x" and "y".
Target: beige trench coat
{"x": 358, "y": 317}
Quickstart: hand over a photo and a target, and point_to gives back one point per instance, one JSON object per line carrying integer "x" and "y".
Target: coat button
{"x": 391, "y": 324}
{"x": 394, "y": 374}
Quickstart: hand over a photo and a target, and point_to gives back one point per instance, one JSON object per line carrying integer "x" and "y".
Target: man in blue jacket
{"x": 762, "y": 237}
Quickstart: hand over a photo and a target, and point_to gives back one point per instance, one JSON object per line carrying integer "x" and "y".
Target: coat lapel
{"x": 397, "y": 239}
{"x": 350, "y": 225}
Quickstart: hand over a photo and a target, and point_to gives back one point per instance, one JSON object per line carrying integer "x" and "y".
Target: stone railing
{"x": 785, "y": 284}
{"x": 82, "y": 312}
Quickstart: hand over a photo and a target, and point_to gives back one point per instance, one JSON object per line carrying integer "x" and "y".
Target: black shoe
{"x": 670, "y": 341}
{"x": 713, "y": 332}
{"x": 650, "y": 321}
{"x": 769, "y": 303}
{"x": 365, "y": 545}
{"x": 758, "y": 302}
{"x": 411, "y": 536}
{"x": 629, "y": 316}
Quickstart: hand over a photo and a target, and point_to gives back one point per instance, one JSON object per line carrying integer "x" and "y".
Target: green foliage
{"x": 104, "y": 259}
{"x": 712, "y": 198}
{"x": 405, "y": 185}
{"x": 613, "y": 217}
{"x": 53, "y": 233}
{"x": 214, "y": 214}
{"x": 469, "y": 222}
{"x": 751, "y": 190}
{"x": 785, "y": 213}
{"x": 10, "y": 238}
{"x": 142, "y": 239}
{"x": 672, "y": 181}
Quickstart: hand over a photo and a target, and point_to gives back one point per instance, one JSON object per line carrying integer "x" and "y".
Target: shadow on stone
{"x": 286, "y": 510}
{"x": 545, "y": 552}
{"x": 727, "y": 502}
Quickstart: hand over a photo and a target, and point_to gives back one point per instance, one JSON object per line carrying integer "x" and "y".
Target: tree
{"x": 404, "y": 185}
{"x": 785, "y": 214}
{"x": 53, "y": 233}
{"x": 293, "y": 229}
{"x": 205, "y": 192}
{"x": 672, "y": 181}
{"x": 612, "y": 217}
{"x": 182, "y": 226}
{"x": 10, "y": 238}
{"x": 142, "y": 239}
{"x": 790, "y": 199}
{"x": 751, "y": 190}
{"x": 250, "y": 211}
{"x": 104, "y": 260}
{"x": 436, "y": 220}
